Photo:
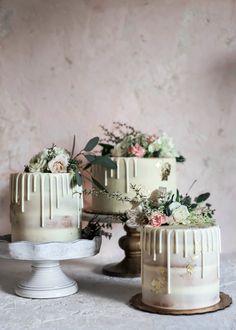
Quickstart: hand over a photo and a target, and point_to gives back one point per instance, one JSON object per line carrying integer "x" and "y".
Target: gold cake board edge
{"x": 136, "y": 302}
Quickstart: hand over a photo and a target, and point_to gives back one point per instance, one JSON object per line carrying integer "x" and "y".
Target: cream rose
{"x": 180, "y": 214}
{"x": 38, "y": 163}
{"x": 58, "y": 164}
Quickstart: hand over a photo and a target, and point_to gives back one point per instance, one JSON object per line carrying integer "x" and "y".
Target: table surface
{"x": 102, "y": 302}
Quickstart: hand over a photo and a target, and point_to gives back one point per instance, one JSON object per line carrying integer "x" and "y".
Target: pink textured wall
{"x": 67, "y": 66}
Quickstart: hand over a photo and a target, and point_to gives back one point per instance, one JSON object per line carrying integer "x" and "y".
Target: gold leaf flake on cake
{"x": 158, "y": 284}
{"x": 191, "y": 265}
{"x": 165, "y": 171}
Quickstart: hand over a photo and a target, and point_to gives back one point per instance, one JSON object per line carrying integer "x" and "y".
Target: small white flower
{"x": 38, "y": 163}
{"x": 180, "y": 214}
{"x": 58, "y": 164}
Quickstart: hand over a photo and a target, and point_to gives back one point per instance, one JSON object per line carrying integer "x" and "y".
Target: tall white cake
{"x": 44, "y": 207}
{"x": 180, "y": 266}
{"x": 150, "y": 173}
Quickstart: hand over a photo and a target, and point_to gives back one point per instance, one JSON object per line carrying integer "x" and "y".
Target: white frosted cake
{"x": 44, "y": 207}
{"x": 180, "y": 266}
{"x": 150, "y": 173}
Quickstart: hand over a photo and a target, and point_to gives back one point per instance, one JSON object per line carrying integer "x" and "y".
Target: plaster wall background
{"x": 68, "y": 66}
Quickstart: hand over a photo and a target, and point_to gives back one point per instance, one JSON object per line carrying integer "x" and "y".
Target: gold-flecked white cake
{"x": 44, "y": 207}
{"x": 180, "y": 266}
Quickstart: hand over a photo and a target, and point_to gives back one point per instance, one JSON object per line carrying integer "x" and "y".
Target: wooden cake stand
{"x": 136, "y": 302}
{"x": 130, "y": 266}
{"x": 47, "y": 280}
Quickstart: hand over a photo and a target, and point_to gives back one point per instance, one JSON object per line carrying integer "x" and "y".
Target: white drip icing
{"x": 176, "y": 242}
{"x": 17, "y": 188}
{"x": 202, "y": 253}
{"x": 118, "y": 168}
{"x": 168, "y": 261}
{"x": 22, "y": 202}
{"x": 185, "y": 243}
{"x": 51, "y": 196}
{"x": 25, "y": 184}
{"x": 42, "y": 201}
{"x": 105, "y": 177}
{"x": 127, "y": 178}
{"x": 199, "y": 241}
{"x": 129, "y": 171}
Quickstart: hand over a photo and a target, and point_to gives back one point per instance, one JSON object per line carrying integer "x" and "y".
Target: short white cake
{"x": 44, "y": 207}
{"x": 150, "y": 173}
{"x": 180, "y": 266}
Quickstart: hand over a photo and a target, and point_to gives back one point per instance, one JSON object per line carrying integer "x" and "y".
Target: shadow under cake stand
{"x": 47, "y": 279}
{"x": 130, "y": 266}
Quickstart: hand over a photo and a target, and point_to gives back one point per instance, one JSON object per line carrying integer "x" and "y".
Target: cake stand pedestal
{"x": 47, "y": 279}
{"x": 130, "y": 266}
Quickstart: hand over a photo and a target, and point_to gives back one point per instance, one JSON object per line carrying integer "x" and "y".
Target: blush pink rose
{"x": 158, "y": 219}
{"x": 137, "y": 150}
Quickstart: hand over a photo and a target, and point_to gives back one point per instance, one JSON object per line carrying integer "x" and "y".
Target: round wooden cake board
{"x": 136, "y": 302}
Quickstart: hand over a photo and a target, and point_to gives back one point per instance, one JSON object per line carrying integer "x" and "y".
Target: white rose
{"x": 180, "y": 214}
{"x": 61, "y": 151}
{"x": 38, "y": 163}
{"x": 155, "y": 146}
{"x": 58, "y": 164}
{"x": 166, "y": 146}
{"x": 174, "y": 206}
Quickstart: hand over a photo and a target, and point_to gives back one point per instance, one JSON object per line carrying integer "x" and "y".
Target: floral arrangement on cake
{"x": 125, "y": 141}
{"x": 60, "y": 160}
{"x": 164, "y": 208}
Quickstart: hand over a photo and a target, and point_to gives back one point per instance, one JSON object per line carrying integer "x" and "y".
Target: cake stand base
{"x": 136, "y": 302}
{"x": 46, "y": 280}
{"x": 128, "y": 267}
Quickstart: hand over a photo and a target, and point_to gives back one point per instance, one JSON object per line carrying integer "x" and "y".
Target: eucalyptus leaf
{"x": 90, "y": 158}
{"x": 106, "y": 162}
{"x": 73, "y": 147}
{"x": 78, "y": 179}
{"x": 202, "y": 198}
{"x": 106, "y": 148}
{"x": 177, "y": 195}
{"x": 91, "y": 144}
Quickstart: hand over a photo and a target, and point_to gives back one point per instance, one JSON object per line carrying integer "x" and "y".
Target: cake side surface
{"x": 44, "y": 207}
{"x": 150, "y": 173}
{"x": 180, "y": 266}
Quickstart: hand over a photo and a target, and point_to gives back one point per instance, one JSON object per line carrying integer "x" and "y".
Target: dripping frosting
{"x": 55, "y": 187}
{"x": 194, "y": 242}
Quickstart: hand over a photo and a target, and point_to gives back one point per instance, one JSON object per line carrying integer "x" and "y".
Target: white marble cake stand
{"x": 47, "y": 280}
